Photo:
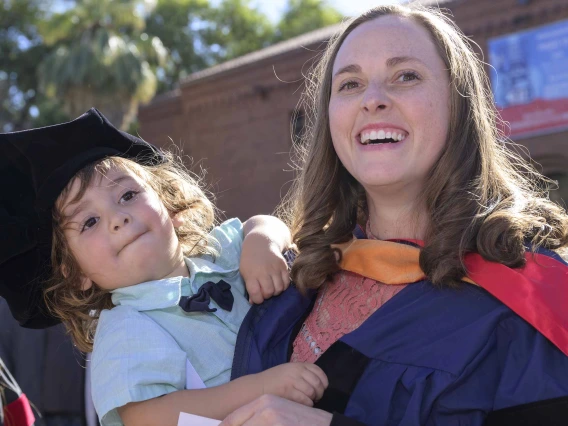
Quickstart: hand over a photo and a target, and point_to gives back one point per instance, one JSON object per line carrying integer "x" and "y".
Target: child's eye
{"x": 89, "y": 223}
{"x": 128, "y": 195}
{"x": 408, "y": 76}
{"x": 348, "y": 85}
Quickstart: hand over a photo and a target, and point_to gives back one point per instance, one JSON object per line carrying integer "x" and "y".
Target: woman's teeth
{"x": 381, "y": 136}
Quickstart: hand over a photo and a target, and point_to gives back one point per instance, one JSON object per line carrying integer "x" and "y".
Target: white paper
{"x": 186, "y": 419}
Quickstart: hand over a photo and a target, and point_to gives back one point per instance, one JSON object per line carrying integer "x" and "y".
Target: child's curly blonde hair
{"x": 182, "y": 194}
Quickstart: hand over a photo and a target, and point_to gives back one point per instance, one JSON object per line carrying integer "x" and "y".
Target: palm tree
{"x": 101, "y": 57}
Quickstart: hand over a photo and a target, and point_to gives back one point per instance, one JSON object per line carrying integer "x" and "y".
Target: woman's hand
{"x": 270, "y": 410}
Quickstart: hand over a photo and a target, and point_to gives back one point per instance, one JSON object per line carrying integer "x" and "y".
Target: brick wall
{"x": 238, "y": 127}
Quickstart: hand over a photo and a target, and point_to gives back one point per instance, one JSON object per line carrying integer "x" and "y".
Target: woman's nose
{"x": 375, "y": 98}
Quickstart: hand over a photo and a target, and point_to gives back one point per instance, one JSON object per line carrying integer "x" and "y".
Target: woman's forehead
{"x": 385, "y": 37}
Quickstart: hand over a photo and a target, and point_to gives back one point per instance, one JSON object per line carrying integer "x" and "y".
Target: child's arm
{"x": 299, "y": 382}
{"x": 262, "y": 265}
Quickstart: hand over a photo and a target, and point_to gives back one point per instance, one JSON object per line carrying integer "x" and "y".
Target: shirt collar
{"x": 167, "y": 292}
{"x": 157, "y": 294}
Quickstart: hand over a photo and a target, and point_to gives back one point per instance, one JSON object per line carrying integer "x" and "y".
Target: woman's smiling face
{"x": 388, "y": 80}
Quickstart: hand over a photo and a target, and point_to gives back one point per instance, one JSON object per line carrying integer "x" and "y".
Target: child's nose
{"x": 120, "y": 221}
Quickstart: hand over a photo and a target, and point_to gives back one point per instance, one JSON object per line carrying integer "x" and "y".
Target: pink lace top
{"x": 342, "y": 305}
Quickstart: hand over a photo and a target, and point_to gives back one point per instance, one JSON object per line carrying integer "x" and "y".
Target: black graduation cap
{"x": 35, "y": 166}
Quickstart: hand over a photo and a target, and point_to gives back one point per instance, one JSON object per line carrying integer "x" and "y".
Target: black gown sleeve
{"x": 341, "y": 420}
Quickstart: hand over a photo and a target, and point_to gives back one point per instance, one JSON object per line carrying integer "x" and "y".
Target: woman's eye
{"x": 128, "y": 195}
{"x": 408, "y": 76}
{"x": 348, "y": 85}
{"x": 89, "y": 223}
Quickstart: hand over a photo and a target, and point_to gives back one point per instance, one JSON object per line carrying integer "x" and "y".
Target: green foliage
{"x": 197, "y": 35}
{"x": 100, "y": 59}
{"x": 236, "y": 28}
{"x": 119, "y": 16}
{"x": 302, "y": 16}
{"x": 116, "y": 54}
{"x": 20, "y": 50}
{"x": 176, "y": 23}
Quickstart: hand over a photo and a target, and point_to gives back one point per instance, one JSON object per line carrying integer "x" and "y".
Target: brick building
{"x": 235, "y": 119}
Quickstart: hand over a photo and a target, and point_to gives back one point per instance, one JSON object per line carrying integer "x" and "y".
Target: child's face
{"x": 120, "y": 232}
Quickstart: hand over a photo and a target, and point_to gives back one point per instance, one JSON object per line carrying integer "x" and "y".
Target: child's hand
{"x": 263, "y": 268}
{"x": 301, "y": 382}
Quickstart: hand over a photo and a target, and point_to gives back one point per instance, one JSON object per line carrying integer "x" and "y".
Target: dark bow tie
{"x": 220, "y": 292}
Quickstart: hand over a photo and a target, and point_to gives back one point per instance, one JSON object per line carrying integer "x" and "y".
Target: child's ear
{"x": 178, "y": 220}
{"x": 65, "y": 271}
{"x": 86, "y": 283}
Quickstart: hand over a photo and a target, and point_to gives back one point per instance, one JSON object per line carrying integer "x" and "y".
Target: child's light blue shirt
{"x": 143, "y": 344}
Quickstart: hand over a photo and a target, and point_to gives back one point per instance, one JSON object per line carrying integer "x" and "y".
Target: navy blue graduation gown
{"x": 428, "y": 356}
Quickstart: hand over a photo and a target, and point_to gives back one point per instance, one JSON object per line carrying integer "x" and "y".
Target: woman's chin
{"x": 380, "y": 182}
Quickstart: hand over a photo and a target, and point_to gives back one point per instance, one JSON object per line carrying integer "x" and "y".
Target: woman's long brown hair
{"x": 481, "y": 196}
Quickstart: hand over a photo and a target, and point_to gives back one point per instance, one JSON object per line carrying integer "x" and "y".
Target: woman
{"x": 405, "y": 150}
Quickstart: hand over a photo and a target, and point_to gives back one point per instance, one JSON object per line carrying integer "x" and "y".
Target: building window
{"x": 298, "y": 119}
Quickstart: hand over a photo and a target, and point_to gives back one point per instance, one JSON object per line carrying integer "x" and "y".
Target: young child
{"x": 132, "y": 258}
